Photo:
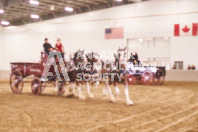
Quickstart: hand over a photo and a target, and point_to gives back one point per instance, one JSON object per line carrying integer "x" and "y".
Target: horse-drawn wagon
{"x": 20, "y": 71}
{"x": 146, "y": 75}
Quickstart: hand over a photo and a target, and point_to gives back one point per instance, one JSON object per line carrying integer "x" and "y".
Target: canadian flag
{"x": 186, "y": 29}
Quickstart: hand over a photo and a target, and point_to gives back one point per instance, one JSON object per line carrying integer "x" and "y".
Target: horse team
{"x": 82, "y": 69}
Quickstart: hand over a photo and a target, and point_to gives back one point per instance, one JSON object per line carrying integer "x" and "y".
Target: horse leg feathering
{"x": 80, "y": 95}
{"x": 112, "y": 98}
{"x": 126, "y": 91}
{"x": 88, "y": 91}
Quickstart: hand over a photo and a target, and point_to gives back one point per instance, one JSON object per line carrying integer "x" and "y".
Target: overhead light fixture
{"x": 34, "y": 2}
{"x": 1, "y": 11}
{"x": 141, "y": 40}
{"x": 119, "y": 0}
{"x": 69, "y": 9}
{"x": 5, "y": 23}
{"x": 35, "y": 16}
{"x": 135, "y": 0}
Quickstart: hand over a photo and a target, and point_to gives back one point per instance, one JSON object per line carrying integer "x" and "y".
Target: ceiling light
{"x": 119, "y": 0}
{"x": 34, "y": 2}
{"x": 69, "y": 9}
{"x": 5, "y": 23}
{"x": 1, "y": 11}
{"x": 135, "y": 0}
{"x": 35, "y": 16}
{"x": 141, "y": 40}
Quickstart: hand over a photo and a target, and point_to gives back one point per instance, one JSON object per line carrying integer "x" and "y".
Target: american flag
{"x": 114, "y": 33}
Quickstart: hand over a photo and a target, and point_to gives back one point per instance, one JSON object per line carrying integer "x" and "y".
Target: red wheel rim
{"x": 130, "y": 79}
{"x": 147, "y": 78}
{"x": 138, "y": 79}
{"x": 36, "y": 86}
{"x": 16, "y": 82}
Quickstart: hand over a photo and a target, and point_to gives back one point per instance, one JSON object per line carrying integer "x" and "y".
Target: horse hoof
{"x": 129, "y": 103}
{"x": 91, "y": 96}
{"x": 74, "y": 94}
{"x": 112, "y": 100}
{"x": 104, "y": 92}
{"x": 95, "y": 87}
{"x": 55, "y": 92}
{"x": 82, "y": 97}
{"x": 116, "y": 94}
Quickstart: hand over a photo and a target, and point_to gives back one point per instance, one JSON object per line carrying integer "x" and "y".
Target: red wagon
{"x": 147, "y": 75}
{"x": 20, "y": 71}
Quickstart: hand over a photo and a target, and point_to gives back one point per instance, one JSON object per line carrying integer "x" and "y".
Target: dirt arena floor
{"x": 172, "y": 107}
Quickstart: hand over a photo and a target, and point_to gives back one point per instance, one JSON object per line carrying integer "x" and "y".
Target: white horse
{"x": 118, "y": 68}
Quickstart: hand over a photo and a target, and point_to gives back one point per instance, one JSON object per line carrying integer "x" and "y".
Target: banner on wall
{"x": 114, "y": 33}
{"x": 186, "y": 29}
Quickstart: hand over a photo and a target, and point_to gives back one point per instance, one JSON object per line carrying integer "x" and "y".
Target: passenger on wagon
{"x": 136, "y": 56}
{"x": 59, "y": 47}
{"x": 131, "y": 59}
{"x": 47, "y": 47}
{"x": 136, "y": 59}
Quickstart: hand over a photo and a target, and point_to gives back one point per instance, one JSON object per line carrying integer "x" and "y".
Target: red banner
{"x": 195, "y": 29}
{"x": 176, "y": 30}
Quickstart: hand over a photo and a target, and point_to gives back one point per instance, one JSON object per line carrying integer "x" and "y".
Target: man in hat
{"x": 47, "y": 46}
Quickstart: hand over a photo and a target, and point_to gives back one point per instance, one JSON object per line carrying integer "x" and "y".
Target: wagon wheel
{"x": 138, "y": 79}
{"x": 36, "y": 86}
{"x": 158, "y": 80}
{"x": 61, "y": 89}
{"x": 130, "y": 79}
{"x": 147, "y": 78}
{"x": 16, "y": 82}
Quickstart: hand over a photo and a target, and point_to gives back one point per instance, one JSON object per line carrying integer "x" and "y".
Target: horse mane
{"x": 75, "y": 55}
{"x": 89, "y": 56}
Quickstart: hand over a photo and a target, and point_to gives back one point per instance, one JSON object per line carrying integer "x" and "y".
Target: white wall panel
{"x": 150, "y": 48}
{"x": 86, "y": 31}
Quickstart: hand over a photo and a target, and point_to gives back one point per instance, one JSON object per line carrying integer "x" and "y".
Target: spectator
{"x": 193, "y": 67}
{"x": 189, "y": 67}
{"x": 174, "y": 66}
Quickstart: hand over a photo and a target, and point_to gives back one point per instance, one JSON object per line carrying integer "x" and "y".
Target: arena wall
{"x": 182, "y": 75}
{"x": 86, "y": 31}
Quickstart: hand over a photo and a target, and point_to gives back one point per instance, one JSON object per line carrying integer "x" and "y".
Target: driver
{"x": 47, "y": 46}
